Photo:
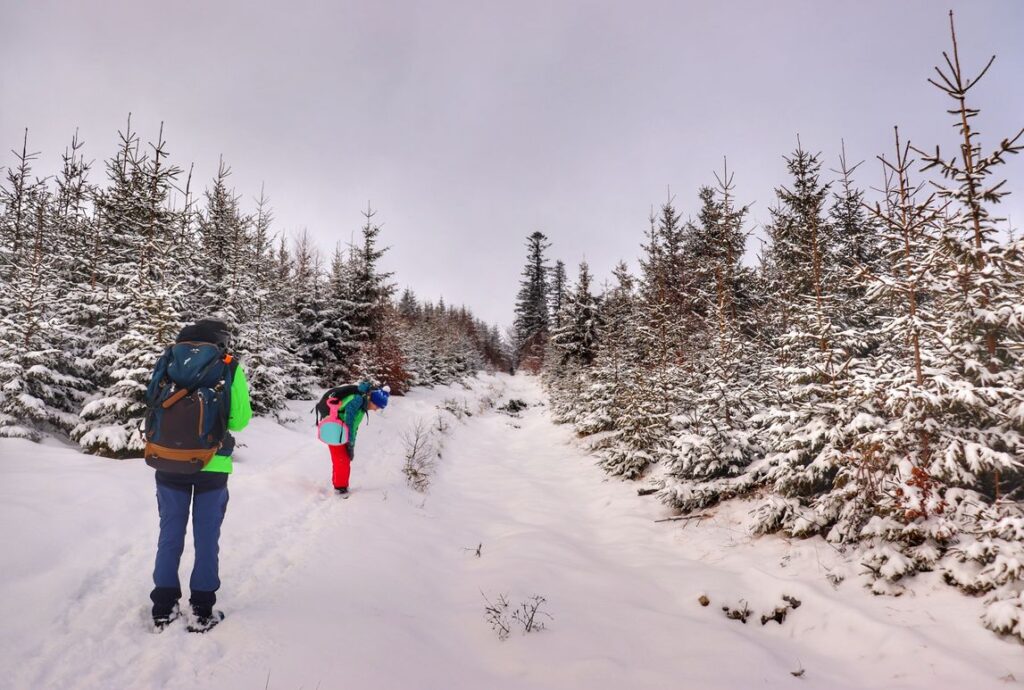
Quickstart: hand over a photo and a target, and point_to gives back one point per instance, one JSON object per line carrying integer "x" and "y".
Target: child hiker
{"x": 349, "y": 405}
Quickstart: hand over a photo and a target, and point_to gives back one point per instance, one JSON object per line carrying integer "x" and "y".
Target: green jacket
{"x": 353, "y": 412}
{"x": 238, "y": 418}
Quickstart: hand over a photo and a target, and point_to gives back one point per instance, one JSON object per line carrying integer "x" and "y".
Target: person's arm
{"x": 352, "y": 418}
{"x": 241, "y": 407}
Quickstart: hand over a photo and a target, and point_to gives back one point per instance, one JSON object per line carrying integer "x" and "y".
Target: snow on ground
{"x": 384, "y": 590}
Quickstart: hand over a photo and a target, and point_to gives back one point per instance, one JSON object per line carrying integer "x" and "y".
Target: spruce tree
{"x": 556, "y": 292}
{"x": 266, "y": 343}
{"x": 575, "y": 346}
{"x": 714, "y": 435}
{"x": 532, "y": 315}
{"x": 143, "y": 313}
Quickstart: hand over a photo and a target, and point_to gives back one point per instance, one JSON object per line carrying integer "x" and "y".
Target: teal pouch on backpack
{"x": 331, "y": 430}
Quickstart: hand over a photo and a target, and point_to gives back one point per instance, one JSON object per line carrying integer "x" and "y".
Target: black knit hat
{"x": 206, "y": 331}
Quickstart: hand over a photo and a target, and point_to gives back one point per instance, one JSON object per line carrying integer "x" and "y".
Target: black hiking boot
{"x": 201, "y": 624}
{"x": 163, "y": 620}
{"x": 341, "y": 490}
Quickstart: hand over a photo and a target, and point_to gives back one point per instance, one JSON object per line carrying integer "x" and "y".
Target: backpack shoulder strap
{"x": 159, "y": 374}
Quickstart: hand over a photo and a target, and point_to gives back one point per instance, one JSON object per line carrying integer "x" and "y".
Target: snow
{"x": 384, "y": 590}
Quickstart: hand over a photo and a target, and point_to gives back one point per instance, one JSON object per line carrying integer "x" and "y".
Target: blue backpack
{"x": 188, "y": 404}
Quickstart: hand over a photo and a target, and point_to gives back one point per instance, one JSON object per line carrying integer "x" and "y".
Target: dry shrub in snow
{"x": 490, "y": 398}
{"x": 456, "y": 408}
{"x": 420, "y": 455}
{"x": 528, "y": 615}
{"x": 497, "y": 616}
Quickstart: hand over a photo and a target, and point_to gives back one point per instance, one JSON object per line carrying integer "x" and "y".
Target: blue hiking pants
{"x": 206, "y": 493}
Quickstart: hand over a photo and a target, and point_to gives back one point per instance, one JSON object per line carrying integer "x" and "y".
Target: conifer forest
{"x": 863, "y": 380}
{"x": 101, "y": 268}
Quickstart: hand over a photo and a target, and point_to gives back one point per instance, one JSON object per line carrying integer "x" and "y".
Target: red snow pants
{"x": 342, "y": 466}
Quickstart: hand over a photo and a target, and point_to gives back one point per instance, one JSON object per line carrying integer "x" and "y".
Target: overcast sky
{"x": 471, "y": 124}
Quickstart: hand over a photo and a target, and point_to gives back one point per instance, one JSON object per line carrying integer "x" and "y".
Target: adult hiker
{"x": 347, "y": 405}
{"x": 197, "y": 396}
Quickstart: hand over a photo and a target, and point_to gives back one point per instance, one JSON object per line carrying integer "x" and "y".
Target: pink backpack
{"x": 331, "y": 430}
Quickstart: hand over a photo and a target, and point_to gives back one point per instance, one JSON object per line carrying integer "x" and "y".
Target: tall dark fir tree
{"x": 533, "y": 316}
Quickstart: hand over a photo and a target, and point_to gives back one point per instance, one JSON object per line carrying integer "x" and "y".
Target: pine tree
{"x": 662, "y": 312}
{"x": 266, "y": 344}
{"x": 225, "y": 283}
{"x": 971, "y": 447}
{"x": 800, "y": 238}
{"x": 825, "y": 407}
{"x": 282, "y": 300}
{"x": 39, "y": 390}
{"x": 532, "y": 316}
{"x": 714, "y": 439}
{"x": 594, "y": 405}
{"x": 575, "y": 346}
{"x": 576, "y": 340}
{"x": 556, "y": 292}
{"x": 374, "y": 321}
{"x": 309, "y": 304}
{"x": 142, "y": 312}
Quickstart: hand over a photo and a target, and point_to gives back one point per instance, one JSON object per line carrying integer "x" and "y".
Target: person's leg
{"x": 342, "y": 466}
{"x": 173, "y": 504}
{"x": 208, "y": 509}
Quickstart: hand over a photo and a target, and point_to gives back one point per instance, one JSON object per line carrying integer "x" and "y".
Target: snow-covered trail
{"x": 384, "y": 590}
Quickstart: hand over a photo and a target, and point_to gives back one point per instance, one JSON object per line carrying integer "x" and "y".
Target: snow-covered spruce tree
{"x": 21, "y": 278}
{"x": 532, "y": 314}
{"x": 222, "y": 282}
{"x": 340, "y": 347}
{"x": 714, "y": 441}
{"x": 382, "y": 358}
{"x": 297, "y": 375}
{"x": 889, "y": 467}
{"x": 233, "y": 279}
{"x": 952, "y": 397}
{"x": 556, "y": 293}
{"x": 39, "y": 389}
{"x": 976, "y": 446}
{"x": 142, "y": 313}
{"x": 819, "y": 431}
{"x": 266, "y": 340}
{"x": 80, "y": 305}
{"x": 374, "y": 321}
{"x": 309, "y": 302}
{"x": 425, "y": 342}
{"x": 597, "y": 408}
{"x": 576, "y": 340}
{"x": 662, "y": 317}
{"x": 416, "y": 339}
{"x": 574, "y": 345}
